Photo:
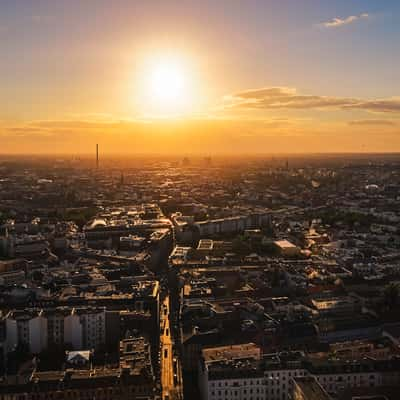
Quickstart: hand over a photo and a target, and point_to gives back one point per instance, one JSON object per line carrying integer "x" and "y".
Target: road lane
{"x": 167, "y": 372}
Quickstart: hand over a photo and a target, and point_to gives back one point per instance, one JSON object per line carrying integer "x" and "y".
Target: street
{"x": 171, "y": 388}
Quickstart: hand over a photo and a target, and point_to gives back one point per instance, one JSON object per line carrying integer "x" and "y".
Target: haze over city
{"x": 205, "y": 77}
{"x": 199, "y": 199}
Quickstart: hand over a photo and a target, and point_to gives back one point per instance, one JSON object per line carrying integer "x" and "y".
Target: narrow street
{"x": 171, "y": 379}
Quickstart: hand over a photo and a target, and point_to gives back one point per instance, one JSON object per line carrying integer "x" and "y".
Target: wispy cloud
{"x": 372, "y": 122}
{"x": 337, "y": 22}
{"x": 289, "y": 98}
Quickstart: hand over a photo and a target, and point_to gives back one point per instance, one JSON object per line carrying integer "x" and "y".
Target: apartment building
{"x": 81, "y": 328}
{"x": 240, "y": 373}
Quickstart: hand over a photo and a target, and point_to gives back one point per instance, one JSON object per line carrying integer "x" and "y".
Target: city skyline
{"x": 199, "y": 199}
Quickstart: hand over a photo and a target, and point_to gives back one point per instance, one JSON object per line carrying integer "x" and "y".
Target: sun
{"x": 167, "y": 83}
{"x": 167, "y": 87}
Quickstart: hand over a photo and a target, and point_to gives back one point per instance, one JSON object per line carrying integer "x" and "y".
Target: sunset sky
{"x": 209, "y": 76}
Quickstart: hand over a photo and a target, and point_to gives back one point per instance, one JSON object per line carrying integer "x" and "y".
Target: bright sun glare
{"x": 167, "y": 82}
{"x": 167, "y": 88}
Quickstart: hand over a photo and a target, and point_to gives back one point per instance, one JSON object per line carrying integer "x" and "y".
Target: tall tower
{"x": 97, "y": 156}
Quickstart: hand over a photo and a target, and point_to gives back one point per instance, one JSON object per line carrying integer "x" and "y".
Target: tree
{"x": 276, "y": 277}
{"x": 391, "y": 294}
{"x": 240, "y": 246}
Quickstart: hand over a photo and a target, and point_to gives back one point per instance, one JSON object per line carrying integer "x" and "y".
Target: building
{"x": 78, "y": 328}
{"x": 8, "y": 338}
{"x": 231, "y": 372}
{"x": 10, "y": 278}
{"x": 336, "y": 305}
{"x": 377, "y": 349}
{"x": 205, "y": 247}
{"x": 241, "y": 372}
{"x": 55, "y": 325}
{"x": 93, "y": 324}
{"x": 28, "y": 246}
{"x": 102, "y": 383}
{"x": 286, "y": 248}
{"x": 73, "y": 334}
{"x": 135, "y": 353}
{"x": 32, "y": 330}
{"x": 234, "y": 224}
{"x": 78, "y": 359}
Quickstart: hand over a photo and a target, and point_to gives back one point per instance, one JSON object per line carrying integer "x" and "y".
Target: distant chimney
{"x": 97, "y": 156}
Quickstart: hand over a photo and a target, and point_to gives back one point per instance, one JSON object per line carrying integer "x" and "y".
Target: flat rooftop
{"x": 222, "y": 353}
{"x": 284, "y": 244}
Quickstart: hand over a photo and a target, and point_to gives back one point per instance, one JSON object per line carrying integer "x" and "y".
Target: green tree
{"x": 240, "y": 246}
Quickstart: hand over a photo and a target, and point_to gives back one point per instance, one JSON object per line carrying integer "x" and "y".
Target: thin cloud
{"x": 289, "y": 98}
{"x": 391, "y": 105}
{"x": 372, "y": 122}
{"x": 267, "y": 92}
{"x": 337, "y": 22}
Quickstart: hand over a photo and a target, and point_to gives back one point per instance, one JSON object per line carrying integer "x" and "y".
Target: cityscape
{"x": 200, "y": 278}
{"x": 199, "y": 200}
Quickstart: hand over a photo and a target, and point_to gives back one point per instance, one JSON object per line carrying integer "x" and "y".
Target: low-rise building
{"x": 286, "y": 248}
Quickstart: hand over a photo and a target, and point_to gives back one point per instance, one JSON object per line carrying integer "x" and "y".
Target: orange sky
{"x": 200, "y": 77}
{"x": 202, "y": 136}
